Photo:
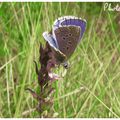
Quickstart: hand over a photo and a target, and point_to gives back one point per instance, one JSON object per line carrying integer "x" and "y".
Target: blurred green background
{"x": 89, "y": 88}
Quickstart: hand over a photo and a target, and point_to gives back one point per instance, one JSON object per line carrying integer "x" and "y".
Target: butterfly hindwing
{"x": 60, "y": 57}
{"x": 49, "y": 38}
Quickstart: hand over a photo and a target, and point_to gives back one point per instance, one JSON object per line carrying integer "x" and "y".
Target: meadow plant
{"x": 45, "y": 80}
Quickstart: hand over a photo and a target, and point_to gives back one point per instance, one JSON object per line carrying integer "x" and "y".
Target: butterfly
{"x": 66, "y": 33}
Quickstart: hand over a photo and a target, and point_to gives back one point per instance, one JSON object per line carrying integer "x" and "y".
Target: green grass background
{"x": 89, "y": 88}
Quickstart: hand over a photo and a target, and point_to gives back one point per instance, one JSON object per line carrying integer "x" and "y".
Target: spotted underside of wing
{"x": 67, "y": 38}
{"x": 71, "y": 20}
{"x": 77, "y": 22}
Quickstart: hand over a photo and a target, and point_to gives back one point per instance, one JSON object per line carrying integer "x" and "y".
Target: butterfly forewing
{"x": 76, "y": 22}
{"x": 67, "y": 38}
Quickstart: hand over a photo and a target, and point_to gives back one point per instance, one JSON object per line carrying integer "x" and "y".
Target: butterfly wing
{"x": 49, "y": 38}
{"x": 67, "y": 38}
{"x": 71, "y": 20}
{"x": 76, "y": 22}
{"x": 59, "y": 56}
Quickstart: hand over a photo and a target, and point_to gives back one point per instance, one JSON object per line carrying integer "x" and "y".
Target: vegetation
{"x": 89, "y": 88}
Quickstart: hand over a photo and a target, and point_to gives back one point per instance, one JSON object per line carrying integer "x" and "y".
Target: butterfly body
{"x": 67, "y": 32}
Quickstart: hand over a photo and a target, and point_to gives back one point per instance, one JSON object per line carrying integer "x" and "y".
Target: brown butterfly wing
{"x": 67, "y": 38}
